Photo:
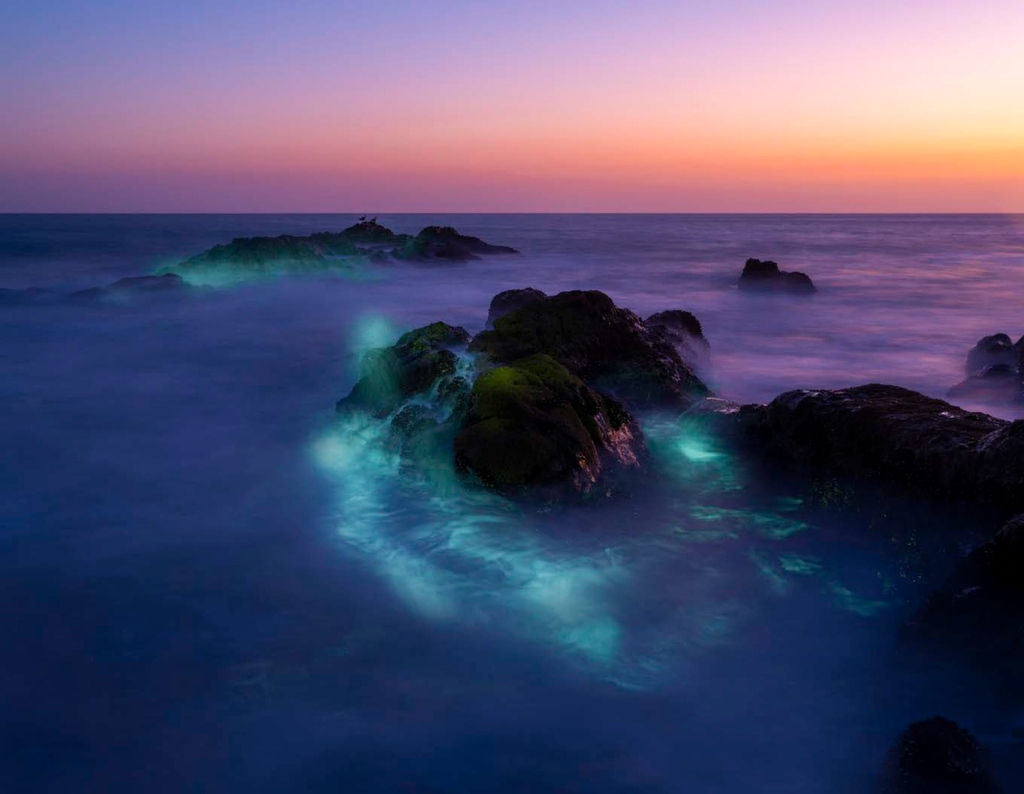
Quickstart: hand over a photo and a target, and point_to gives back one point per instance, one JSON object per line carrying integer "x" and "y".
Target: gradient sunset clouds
{"x": 731, "y": 106}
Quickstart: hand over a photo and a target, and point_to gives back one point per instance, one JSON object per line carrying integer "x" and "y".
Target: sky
{"x": 458, "y": 106}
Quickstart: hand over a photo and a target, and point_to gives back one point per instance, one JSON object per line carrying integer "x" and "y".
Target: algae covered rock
{"x": 610, "y": 348}
{"x": 533, "y": 422}
{"x": 937, "y": 756}
{"x": 391, "y": 375}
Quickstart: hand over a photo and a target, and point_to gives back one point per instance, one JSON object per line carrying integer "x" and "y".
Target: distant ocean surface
{"x": 210, "y": 582}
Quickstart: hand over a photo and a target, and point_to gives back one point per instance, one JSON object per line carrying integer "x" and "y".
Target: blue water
{"x": 210, "y": 581}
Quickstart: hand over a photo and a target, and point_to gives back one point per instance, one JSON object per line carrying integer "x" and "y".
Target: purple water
{"x": 210, "y": 581}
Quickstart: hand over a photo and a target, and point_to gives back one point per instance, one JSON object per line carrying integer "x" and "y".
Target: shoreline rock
{"x": 994, "y": 370}
{"x": 893, "y": 435}
{"x": 937, "y": 756}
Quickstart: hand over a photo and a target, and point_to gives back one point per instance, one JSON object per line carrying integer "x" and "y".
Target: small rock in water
{"x": 937, "y": 756}
{"x": 765, "y": 276}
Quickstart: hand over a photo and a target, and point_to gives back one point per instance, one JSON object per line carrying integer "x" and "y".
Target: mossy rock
{"x": 607, "y": 346}
{"x": 535, "y": 423}
{"x": 391, "y": 375}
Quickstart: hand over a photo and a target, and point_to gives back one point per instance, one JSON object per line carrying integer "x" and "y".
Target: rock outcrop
{"x": 534, "y": 423}
{"x": 364, "y": 241}
{"x": 937, "y": 756}
{"x": 765, "y": 276}
{"x": 391, "y": 375}
{"x": 511, "y": 299}
{"x": 608, "y": 347}
{"x": 892, "y": 435}
{"x": 535, "y": 416}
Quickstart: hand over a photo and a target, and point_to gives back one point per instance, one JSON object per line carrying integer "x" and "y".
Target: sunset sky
{"x": 449, "y": 106}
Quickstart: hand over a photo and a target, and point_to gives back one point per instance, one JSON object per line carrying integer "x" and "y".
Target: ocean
{"x": 211, "y": 581}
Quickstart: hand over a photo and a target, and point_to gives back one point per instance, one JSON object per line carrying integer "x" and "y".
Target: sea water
{"x": 210, "y": 580}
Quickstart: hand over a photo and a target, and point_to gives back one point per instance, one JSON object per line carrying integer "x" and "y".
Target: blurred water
{"x": 209, "y": 581}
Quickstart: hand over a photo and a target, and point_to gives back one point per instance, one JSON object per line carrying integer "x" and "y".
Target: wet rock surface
{"x": 892, "y": 435}
{"x": 511, "y": 299}
{"x": 764, "y": 276}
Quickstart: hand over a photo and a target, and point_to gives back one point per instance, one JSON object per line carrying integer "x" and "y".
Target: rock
{"x": 895, "y": 436}
{"x": 608, "y": 347}
{"x": 362, "y": 242}
{"x": 937, "y": 756}
{"x": 412, "y": 365}
{"x": 765, "y": 276}
{"x": 534, "y": 423}
{"x": 511, "y": 299}
{"x": 994, "y": 369}
{"x": 684, "y": 331}
{"x": 443, "y": 242}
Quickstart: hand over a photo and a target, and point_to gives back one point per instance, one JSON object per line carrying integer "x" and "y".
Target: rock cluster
{"x": 556, "y": 379}
{"x": 363, "y": 240}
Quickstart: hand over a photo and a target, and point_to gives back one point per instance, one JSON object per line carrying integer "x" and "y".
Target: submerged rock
{"x": 937, "y": 756}
{"x": 994, "y": 370}
{"x": 533, "y": 423}
{"x": 134, "y": 285}
{"x": 765, "y": 276}
{"x": 610, "y": 348}
{"x": 391, "y": 375}
{"x": 511, "y": 299}
{"x": 893, "y": 435}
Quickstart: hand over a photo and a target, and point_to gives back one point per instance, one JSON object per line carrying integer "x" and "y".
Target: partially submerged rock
{"x": 443, "y": 242}
{"x": 535, "y": 415}
{"x": 534, "y": 423}
{"x": 511, "y": 299}
{"x": 994, "y": 370}
{"x": 937, "y": 756}
{"x": 893, "y": 435}
{"x": 391, "y": 375}
{"x": 610, "y": 348}
{"x": 684, "y": 331}
{"x": 134, "y": 285}
{"x": 765, "y": 276}
{"x": 364, "y": 241}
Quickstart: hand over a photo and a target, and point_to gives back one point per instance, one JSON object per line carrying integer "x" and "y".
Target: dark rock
{"x": 412, "y": 365}
{"x": 364, "y": 241}
{"x": 765, "y": 276}
{"x": 992, "y": 351}
{"x": 937, "y": 756}
{"x": 610, "y": 348}
{"x": 443, "y": 242}
{"x": 684, "y": 331}
{"x": 534, "y": 423}
{"x": 895, "y": 436}
{"x": 994, "y": 369}
{"x": 511, "y": 299}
